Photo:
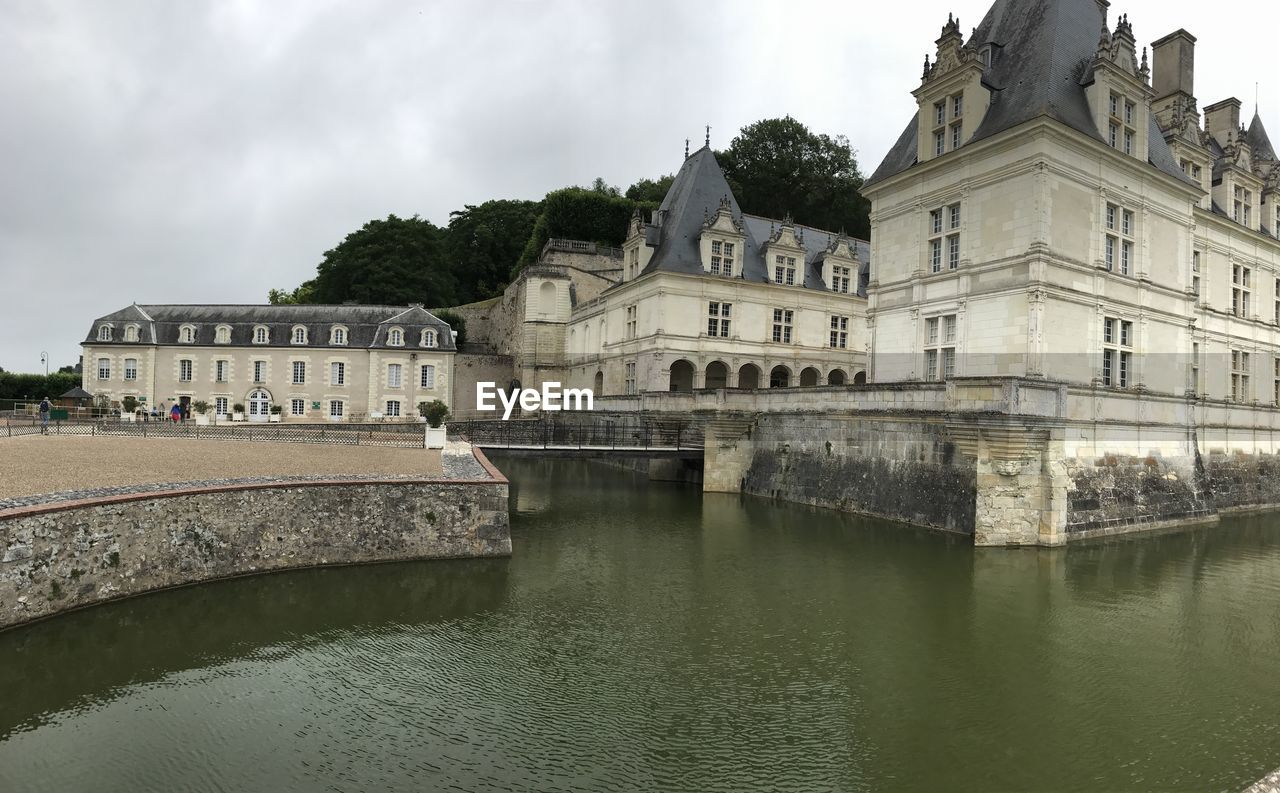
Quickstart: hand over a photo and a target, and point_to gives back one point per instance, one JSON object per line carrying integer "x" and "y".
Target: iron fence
{"x": 397, "y": 436}
{"x": 611, "y": 432}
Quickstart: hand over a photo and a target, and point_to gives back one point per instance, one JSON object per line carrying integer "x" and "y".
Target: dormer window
{"x": 428, "y": 338}
{"x": 104, "y": 333}
{"x": 1242, "y": 206}
{"x": 187, "y": 334}
{"x": 260, "y": 335}
{"x": 722, "y": 255}
{"x": 222, "y": 335}
{"x": 338, "y": 336}
{"x": 784, "y": 270}
{"x": 1120, "y": 128}
{"x": 840, "y": 277}
{"x": 299, "y": 335}
{"x": 131, "y": 333}
{"x": 395, "y": 337}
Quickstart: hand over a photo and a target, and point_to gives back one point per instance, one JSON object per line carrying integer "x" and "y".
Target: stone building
{"x": 1058, "y": 209}
{"x": 701, "y": 295}
{"x": 313, "y": 363}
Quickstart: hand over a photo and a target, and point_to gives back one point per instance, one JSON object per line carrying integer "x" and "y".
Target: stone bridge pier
{"x": 728, "y": 450}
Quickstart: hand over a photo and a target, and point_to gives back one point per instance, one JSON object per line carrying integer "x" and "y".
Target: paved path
{"x": 38, "y": 464}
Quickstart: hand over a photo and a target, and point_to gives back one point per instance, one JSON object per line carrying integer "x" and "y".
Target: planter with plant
{"x": 237, "y": 412}
{"x": 435, "y": 412}
{"x": 201, "y": 410}
{"x": 276, "y": 412}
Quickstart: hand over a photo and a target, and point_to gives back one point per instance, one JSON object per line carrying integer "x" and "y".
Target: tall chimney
{"x": 1175, "y": 60}
{"x": 1222, "y": 119}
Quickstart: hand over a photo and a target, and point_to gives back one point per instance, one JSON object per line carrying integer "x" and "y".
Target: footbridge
{"x": 588, "y": 435}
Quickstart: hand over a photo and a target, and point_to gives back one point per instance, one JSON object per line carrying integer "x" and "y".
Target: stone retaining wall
{"x": 63, "y": 554}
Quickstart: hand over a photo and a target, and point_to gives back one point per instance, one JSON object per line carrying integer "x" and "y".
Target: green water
{"x": 647, "y": 638}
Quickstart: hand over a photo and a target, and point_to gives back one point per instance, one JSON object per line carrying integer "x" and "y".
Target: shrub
{"x": 237, "y": 408}
{"x": 200, "y": 406}
{"x": 435, "y": 412}
{"x": 130, "y": 404}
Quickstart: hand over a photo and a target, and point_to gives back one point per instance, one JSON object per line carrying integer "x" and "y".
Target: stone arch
{"x": 809, "y": 377}
{"x": 749, "y": 376}
{"x": 599, "y": 384}
{"x": 547, "y": 298}
{"x": 682, "y": 376}
{"x": 717, "y": 375}
{"x": 780, "y": 377}
{"x": 573, "y": 341}
{"x": 860, "y": 378}
{"x": 837, "y": 377}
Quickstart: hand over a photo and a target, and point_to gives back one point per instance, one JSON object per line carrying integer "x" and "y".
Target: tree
{"x": 777, "y": 167}
{"x": 649, "y": 190}
{"x": 394, "y": 262}
{"x": 455, "y": 320}
{"x": 304, "y": 293}
{"x": 483, "y": 242}
{"x": 14, "y": 385}
{"x": 580, "y": 214}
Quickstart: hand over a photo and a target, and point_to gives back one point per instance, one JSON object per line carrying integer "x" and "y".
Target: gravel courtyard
{"x": 38, "y": 464}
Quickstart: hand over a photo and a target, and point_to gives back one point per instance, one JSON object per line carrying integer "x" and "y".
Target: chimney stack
{"x": 1222, "y": 120}
{"x": 1175, "y": 60}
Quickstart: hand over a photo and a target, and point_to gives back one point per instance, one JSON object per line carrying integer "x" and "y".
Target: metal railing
{"x": 389, "y": 435}
{"x": 620, "y": 433}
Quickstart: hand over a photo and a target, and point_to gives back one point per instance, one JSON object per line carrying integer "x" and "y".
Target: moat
{"x": 647, "y": 637}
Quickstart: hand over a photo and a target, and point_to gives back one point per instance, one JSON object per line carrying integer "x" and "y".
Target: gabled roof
{"x": 695, "y": 195}
{"x": 1258, "y": 141}
{"x": 366, "y": 326}
{"x": 1041, "y": 55}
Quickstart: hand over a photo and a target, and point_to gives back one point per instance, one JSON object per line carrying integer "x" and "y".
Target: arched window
{"x": 428, "y": 338}
{"x": 299, "y": 334}
{"x": 131, "y": 333}
{"x": 104, "y": 333}
{"x": 338, "y": 336}
{"x": 222, "y": 335}
{"x": 260, "y": 334}
{"x": 395, "y": 337}
{"x": 104, "y": 368}
{"x": 547, "y": 298}
{"x": 187, "y": 334}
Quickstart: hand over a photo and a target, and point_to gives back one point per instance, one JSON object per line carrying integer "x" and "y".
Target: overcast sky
{"x": 181, "y": 151}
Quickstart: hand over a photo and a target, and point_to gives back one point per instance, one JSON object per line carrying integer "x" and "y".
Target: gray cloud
{"x": 205, "y": 152}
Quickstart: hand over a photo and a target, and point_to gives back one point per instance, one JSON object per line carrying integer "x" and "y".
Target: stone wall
{"x": 902, "y": 469}
{"x": 471, "y": 368}
{"x": 65, "y": 555}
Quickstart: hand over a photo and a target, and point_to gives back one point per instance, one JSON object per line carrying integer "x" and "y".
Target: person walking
{"x": 176, "y": 413}
{"x": 45, "y": 407}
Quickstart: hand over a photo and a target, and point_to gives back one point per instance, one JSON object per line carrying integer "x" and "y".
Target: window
{"x": 1195, "y": 368}
{"x": 939, "y": 113}
{"x": 222, "y": 335}
{"x": 104, "y": 368}
{"x": 338, "y": 337}
{"x": 104, "y": 333}
{"x": 784, "y": 270}
{"x": 1113, "y": 135}
{"x": 722, "y": 258}
{"x": 220, "y": 406}
{"x": 393, "y": 408}
{"x": 299, "y": 335}
{"x": 940, "y": 347}
{"x": 185, "y": 368}
{"x": 1117, "y": 344}
{"x": 1275, "y": 382}
{"x": 297, "y": 407}
{"x": 1195, "y": 274}
{"x": 1276, "y": 319}
{"x": 1128, "y": 141}
{"x": 1240, "y": 290}
{"x": 186, "y": 335}
{"x": 1192, "y": 170}
{"x": 260, "y": 335}
{"x": 131, "y": 368}
{"x": 939, "y": 142}
{"x": 393, "y": 375}
{"x": 259, "y": 371}
{"x": 782, "y": 325}
{"x": 337, "y": 373}
{"x": 957, "y": 106}
{"x": 718, "y": 319}
{"x": 629, "y": 377}
{"x": 429, "y": 338}
{"x": 1122, "y": 128}
{"x": 840, "y": 332}
{"x": 1242, "y": 206}
{"x": 944, "y": 230}
{"x": 428, "y": 376}
{"x": 1240, "y": 376}
{"x": 220, "y": 371}
{"x": 840, "y": 277}
{"x": 131, "y": 333}
{"x": 631, "y": 322}
{"x": 299, "y": 372}
{"x": 633, "y": 262}
{"x": 335, "y": 408}
{"x": 955, "y": 136}
{"x": 1118, "y": 242}
{"x": 395, "y": 337}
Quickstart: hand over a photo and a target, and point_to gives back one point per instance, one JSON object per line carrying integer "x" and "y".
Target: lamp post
{"x": 44, "y": 359}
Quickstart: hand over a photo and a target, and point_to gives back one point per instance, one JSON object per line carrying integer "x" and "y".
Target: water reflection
{"x": 645, "y": 637}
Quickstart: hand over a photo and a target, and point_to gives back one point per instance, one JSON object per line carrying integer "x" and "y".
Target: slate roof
{"x": 695, "y": 195}
{"x": 1258, "y": 141}
{"x": 1039, "y": 67}
{"x": 367, "y": 326}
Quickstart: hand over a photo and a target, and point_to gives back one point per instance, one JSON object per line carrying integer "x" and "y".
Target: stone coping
{"x": 463, "y": 465}
{"x": 1268, "y": 784}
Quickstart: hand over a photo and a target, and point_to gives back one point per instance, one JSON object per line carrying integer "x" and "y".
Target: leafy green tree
{"x": 483, "y": 242}
{"x": 455, "y": 320}
{"x": 395, "y": 261}
{"x": 14, "y": 385}
{"x": 305, "y": 293}
{"x": 650, "y": 190}
{"x": 778, "y": 167}
{"x": 581, "y": 214}
{"x": 604, "y": 188}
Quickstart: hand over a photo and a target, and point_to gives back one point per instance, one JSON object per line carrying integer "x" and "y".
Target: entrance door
{"x": 259, "y": 405}
{"x": 185, "y": 402}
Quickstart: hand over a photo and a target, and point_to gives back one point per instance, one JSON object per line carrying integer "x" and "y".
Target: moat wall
{"x": 58, "y": 557}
